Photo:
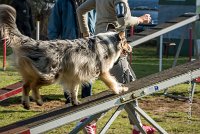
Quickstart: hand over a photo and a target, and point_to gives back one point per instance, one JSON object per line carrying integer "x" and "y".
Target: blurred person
{"x": 63, "y": 24}
{"x": 116, "y": 12}
{"x": 24, "y": 19}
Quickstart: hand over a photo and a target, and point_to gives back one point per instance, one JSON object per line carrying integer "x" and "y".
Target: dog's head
{"x": 124, "y": 46}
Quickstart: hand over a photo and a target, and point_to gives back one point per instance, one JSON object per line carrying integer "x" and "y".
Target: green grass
{"x": 170, "y": 114}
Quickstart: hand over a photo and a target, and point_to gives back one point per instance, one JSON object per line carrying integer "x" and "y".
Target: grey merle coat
{"x": 70, "y": 62}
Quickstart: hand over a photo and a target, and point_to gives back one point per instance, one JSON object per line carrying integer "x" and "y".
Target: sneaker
{"x": 148, "y": 129}
{"x": 90, "y": 128}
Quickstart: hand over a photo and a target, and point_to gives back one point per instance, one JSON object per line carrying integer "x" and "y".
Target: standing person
{"x": 118, "y": 13}
{"x": 63, "y": 24}
{"x": 24, "y": 19}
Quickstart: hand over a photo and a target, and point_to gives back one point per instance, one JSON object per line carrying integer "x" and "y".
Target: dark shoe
{"x": 68, "y": 98}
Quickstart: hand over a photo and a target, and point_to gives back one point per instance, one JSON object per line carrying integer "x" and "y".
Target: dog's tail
{"x": 8, "y": 27}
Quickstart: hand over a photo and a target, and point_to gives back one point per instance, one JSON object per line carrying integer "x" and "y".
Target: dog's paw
{"x": 25, "y": 105}
{"x": 39, "y": 102}
{"x": 124, "y": 89}
{"x": 116, "y": 91}
{"x": 75, "y": 103}
{"x": 120, "y": 89}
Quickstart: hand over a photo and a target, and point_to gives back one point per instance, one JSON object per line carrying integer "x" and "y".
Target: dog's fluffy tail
{"x": 30, "y": 72}
{"x": 8, "y": 27}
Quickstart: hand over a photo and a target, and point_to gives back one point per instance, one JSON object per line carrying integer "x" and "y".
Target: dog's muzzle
{"x": 127, "y": 48}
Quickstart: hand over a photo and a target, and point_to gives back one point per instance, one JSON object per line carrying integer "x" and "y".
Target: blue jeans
{"x": 86, "y": 91}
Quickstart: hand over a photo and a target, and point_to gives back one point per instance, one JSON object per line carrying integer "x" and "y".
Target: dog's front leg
{"x": 111, "y": 82}
{"x": 74, "y": 95}
{"x": 72, "y": 88}
{"x": 36, "y": 94}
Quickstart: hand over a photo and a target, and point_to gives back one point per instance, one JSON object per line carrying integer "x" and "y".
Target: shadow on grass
{"x": 17, "y": 99}
{"x": 17, "y": 111}
{"x": 178, "y": 96}
{"x": 173, "y": 93}
{"x": 9, "y": 70}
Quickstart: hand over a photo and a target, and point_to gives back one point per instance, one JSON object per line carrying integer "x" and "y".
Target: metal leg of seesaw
{"x": 86, "y": 122}
{"x": 131, "y": 108}
{"x": 112, "y": 119}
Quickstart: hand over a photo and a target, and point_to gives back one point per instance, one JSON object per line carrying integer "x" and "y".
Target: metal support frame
{"x": 133, "y": 116}
{"x": 179, "y": 97}
{"x": 112, "y": 119}
{"x": 193, "y": 86}
{"x": 37, "y": 30}
{"x": 86, "y": 122}
{"x": 150, "y": 120}
{"x": 131, "y": 107}
{"x": 179, "y": 49}
{"x": 192, "y": 35}
{"x": 160, "y": 54}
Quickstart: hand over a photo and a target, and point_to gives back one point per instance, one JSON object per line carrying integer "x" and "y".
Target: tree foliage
{"x": 4, "y": 1}
{"x": 41, "y": 10}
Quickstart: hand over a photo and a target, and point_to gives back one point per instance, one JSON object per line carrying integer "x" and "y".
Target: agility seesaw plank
{"x": 163, "y": 28}
{"x": 10, "y": 90}
{"x": 106, "y": 100}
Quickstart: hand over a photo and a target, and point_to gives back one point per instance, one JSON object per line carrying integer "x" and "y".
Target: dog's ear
{"x": 110, "y": 27}
{"x": 122, "y": 35}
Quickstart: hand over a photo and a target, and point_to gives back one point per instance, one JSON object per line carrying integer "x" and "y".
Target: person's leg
{"x": 125, "y": 74}
{"x": 86, "y": 90}
{"x": 67, "y": 97}
{"x": 123, "y": 71}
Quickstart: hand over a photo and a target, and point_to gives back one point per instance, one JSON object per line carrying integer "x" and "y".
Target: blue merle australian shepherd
{"x": 70, "y": 62}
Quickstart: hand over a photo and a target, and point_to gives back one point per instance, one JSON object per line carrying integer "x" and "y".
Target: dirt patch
{"x": 47, "y": 105}
{"x": 160, "y": 105}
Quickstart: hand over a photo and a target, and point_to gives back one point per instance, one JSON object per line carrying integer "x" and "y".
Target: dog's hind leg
{"x": 25, "y": 95}
{"x": 36, "y": 94}
{"x": 111, "y": 82}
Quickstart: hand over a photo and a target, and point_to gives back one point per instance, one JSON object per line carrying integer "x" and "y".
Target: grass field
{"x": 169, "y": 113}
